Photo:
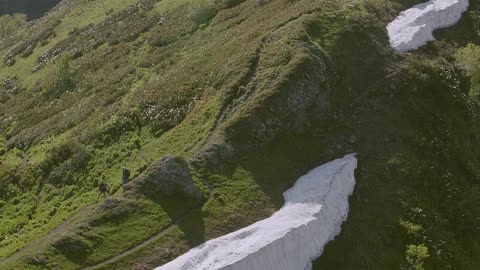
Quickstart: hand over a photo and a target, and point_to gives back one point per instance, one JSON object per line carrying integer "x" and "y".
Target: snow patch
{"x": 413, "y": 27}
{"x": 291, "y": 238}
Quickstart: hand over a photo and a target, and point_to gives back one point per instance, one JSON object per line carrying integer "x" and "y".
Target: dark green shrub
{"x": 59, "y": 79}
{"x": 201, "y": 12}
{"x": 63, "y": 162}
{"x": 11, "y": 23}
{"x": 5, "y": 180}
{"x": 115, "y": 127}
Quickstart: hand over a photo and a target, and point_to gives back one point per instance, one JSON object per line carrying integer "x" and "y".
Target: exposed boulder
{"x": 112, "y": 210}
{"x": 73, "y": 246}
{"x": 38, "y": 260}
{"x": 169, "y": 176}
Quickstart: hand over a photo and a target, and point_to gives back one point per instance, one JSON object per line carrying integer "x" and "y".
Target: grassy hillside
{"x": 251, "y": 94}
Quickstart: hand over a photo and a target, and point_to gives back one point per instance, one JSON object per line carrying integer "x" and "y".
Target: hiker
{"x": 102, "y": 189}
{"x": 125, "y": 177}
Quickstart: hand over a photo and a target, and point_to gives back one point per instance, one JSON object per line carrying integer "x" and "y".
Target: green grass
{"x": 165, "y": 5}
{"x": 272, "y": 91}
{"x": 36, "y": 154}
{"x": 10, "y": 160}
{"x": 52, "y": 210}
{"x": 84, "y": 13}
{"x": 185, "y": 139}
{"x": 146, "y": 219}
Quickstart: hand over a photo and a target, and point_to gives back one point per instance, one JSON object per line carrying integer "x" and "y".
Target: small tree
{"x": 11, "y": 23}
{"x": 59, "y": 78}
{"x": 468, "y": 58}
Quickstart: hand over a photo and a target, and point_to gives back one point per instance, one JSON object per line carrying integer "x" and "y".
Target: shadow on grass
{"x": 186, "y": 213}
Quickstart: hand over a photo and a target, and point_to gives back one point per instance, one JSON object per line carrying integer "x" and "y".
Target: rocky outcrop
{"x": 413, "y": 27}
{"x": 169, "y": 176}
{"x": 72, "y": 246}
{"x": 291, "y": 238}
{"x": 263, "y": 109}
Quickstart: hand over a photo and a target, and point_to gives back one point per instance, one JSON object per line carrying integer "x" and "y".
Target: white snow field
{"x": 291, "y": 238}
{"x": 413, "y": 27}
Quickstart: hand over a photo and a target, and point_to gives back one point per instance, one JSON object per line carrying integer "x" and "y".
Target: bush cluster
{"x": 11, "y": 23}
{"x": 202, "y": 11}
{"x": 59, "y": 79}
{"x": 63, "y": 162}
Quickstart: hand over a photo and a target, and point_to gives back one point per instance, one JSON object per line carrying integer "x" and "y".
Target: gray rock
{"x": 39, "y": 260}
{"x": 72, "y": 246}
{"x": 169, "y": 176}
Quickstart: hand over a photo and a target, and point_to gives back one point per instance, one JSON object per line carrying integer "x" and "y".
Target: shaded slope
{"x": 314, "y": 209}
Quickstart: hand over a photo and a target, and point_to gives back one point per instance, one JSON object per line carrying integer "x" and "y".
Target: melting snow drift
{"x": 413, "y": 27}
{"x": 291, "y": 238}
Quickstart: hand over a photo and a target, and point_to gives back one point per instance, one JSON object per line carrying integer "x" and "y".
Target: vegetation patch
{"x": 244, "y": 97}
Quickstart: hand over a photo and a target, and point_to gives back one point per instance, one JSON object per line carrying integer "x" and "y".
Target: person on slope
{"x": 125, "y": 177}
{"x": 102, "y": 190}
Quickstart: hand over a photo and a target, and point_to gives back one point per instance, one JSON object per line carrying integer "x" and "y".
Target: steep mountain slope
{"x": 245, "y": 97}
{"x": 314, "y": 210}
